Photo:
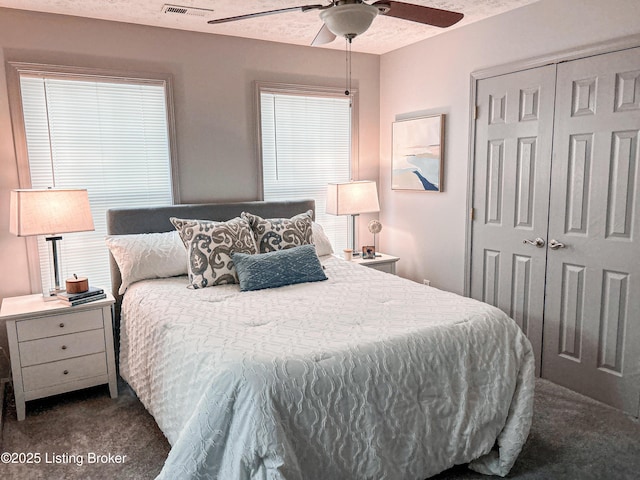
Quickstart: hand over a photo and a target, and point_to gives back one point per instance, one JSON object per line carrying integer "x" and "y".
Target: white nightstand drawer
{"x": 60, "y": 347}
{"x": 56, "y": 373}
{"x": 50, "y": 326}
{"x": 384, "y": 267}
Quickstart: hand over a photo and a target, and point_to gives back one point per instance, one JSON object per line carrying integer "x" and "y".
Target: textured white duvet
{"x": 363, "y": 376}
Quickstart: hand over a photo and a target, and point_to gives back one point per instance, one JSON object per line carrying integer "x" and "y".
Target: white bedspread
{"x": 363, "y": 376}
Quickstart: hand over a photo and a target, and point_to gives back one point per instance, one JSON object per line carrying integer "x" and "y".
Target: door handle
{"x": 554, "y": 244}
{"x": 538, "y": 242}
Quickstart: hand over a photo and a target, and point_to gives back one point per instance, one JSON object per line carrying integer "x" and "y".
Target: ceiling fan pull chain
{"x": 347, "y": 92}
{"x": 350, "y": 63}
{"x": 346, "y": 65}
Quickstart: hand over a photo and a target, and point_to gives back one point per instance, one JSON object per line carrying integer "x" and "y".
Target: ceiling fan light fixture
{"x": 349, "y": 20}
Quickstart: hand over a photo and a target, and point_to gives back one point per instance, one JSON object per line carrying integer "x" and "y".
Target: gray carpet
{"x": 572, "y": 437}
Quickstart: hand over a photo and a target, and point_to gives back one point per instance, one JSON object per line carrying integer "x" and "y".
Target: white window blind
{"x": 108, "y": 137}
{"x": 306, "y": 144}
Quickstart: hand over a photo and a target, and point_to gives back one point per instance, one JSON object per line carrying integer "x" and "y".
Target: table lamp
{"x": 50, "y": 212}
{"x": 352, "y": 198}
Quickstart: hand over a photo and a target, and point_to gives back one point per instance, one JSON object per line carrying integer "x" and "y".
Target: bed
{"x": 364, "y": 375}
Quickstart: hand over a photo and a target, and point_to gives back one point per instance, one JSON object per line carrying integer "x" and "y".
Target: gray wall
{"x": 428, "y": 229}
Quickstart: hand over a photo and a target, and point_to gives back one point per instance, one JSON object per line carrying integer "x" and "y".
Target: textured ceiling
{"x": 298, "y": 28}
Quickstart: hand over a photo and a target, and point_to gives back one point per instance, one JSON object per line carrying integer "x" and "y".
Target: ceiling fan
{"x": 350, "y": 18}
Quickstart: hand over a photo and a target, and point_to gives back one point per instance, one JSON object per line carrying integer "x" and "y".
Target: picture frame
{"x": 368, "y": 252}
{"x": 417, "y": 160}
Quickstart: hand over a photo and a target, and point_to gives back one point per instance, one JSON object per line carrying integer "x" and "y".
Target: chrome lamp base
{"x": 55, "y": 261}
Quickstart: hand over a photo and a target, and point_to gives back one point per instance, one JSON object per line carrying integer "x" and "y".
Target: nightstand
{"x": 56, "y": 348}
{"x": 384, "y": 263}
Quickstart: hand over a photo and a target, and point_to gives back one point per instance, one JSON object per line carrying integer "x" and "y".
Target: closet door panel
{"x": 511, "y": 195}
{"x": 592, "y": 310}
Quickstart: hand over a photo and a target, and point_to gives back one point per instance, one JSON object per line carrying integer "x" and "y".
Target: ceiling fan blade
{"x": 419, "y": 13}
{"x": 302, "y": 8}
{"x": 324, "y": 36}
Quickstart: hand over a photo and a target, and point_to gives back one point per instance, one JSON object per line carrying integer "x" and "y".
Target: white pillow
{"x": 320, "y": 240}
{"x": 147, "y": 255}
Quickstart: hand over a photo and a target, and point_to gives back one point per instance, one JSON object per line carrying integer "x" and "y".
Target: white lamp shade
{"x": 352, "y": 198}
{"x": 49, "y": 212}
{"x": 349, "y": 20}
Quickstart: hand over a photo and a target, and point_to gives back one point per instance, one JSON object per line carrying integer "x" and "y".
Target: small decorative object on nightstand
{"x": 382, "y": 262}
{"x": 368, "y": 252}
{"x": 375, "y": 227}
{"x": 57, "y": 348}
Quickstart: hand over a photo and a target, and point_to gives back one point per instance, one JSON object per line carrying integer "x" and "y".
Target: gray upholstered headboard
{"x": 127, "y": 221}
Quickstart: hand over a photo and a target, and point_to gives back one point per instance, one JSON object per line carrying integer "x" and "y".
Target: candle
{"x": 77, "y": 284}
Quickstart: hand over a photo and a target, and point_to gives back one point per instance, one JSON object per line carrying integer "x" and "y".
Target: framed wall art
{"x": 417, "y": 161}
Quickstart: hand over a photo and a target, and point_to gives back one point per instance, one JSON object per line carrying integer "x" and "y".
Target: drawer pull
{"x": 64, "y": 347}
{"x": 61, "y": 325}
{"x": 66, "y": 372}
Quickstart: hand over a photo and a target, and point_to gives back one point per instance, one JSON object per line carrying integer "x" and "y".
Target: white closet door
{"x": 511, "y": 194}
{"x": 592, "y": 311}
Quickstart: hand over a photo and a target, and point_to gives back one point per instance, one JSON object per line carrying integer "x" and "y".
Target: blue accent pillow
{"x": 279, "y": 268}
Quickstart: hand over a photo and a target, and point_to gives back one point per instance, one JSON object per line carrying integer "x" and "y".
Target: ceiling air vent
{"x": 182, "y": 10}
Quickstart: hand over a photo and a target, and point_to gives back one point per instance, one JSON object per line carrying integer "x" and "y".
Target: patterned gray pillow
{"x": 273, "y": 234}
{"x": 209, "y": 247}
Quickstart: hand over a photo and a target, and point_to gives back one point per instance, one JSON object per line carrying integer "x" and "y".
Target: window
{"x": 306, "y": 143}
{"x": 108, "y": 134}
